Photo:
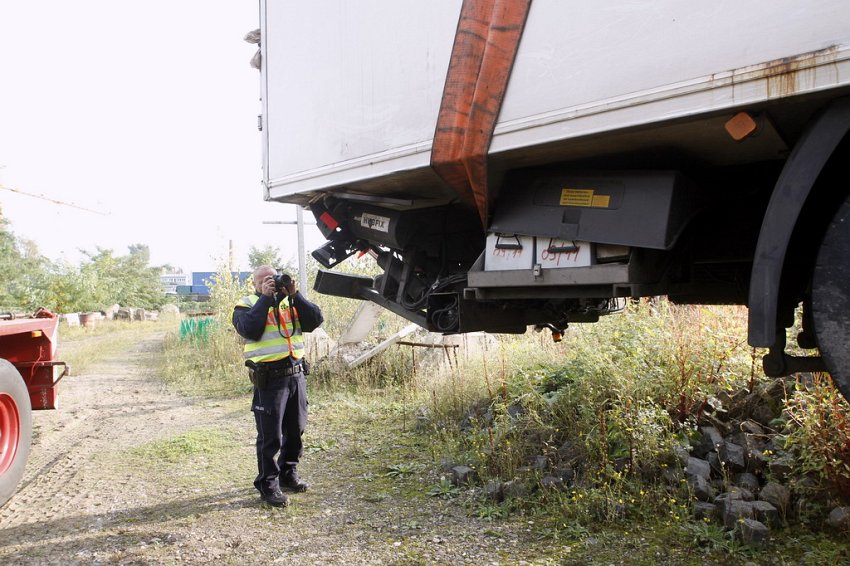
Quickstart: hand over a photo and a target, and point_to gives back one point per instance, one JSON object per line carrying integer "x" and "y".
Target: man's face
{"x": 260, "y": 276}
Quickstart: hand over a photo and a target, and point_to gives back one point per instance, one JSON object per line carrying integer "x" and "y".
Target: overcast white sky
{"x": 144, "y": 111}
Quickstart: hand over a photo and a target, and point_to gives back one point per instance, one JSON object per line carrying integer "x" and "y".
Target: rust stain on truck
{"x": 789, "y": 75}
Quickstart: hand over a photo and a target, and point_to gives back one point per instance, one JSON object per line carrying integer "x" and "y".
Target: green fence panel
{"x": 196, "y": 328}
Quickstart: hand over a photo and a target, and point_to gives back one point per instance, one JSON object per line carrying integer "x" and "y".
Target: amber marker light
{"x": 741, "y": 126}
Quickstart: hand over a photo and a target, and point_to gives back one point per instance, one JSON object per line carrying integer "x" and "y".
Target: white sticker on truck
{"x": 375, "y": 222}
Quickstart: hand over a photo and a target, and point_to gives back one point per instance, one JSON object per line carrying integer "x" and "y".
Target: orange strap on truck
{"x": 486, "y": 43}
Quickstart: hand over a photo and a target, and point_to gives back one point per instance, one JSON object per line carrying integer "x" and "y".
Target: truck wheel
{"x": 15, "y": 429}
{"x": 831, "y": 298}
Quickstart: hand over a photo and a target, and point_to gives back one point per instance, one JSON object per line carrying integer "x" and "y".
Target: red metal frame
{"x": 30, "y": 345}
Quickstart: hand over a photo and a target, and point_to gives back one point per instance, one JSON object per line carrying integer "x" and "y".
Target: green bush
{"x": 621, "y": 390}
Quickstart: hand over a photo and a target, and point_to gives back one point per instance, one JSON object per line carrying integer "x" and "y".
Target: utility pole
{"x": 302, "y": 255}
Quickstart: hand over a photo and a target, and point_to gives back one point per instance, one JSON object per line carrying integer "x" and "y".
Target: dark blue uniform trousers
{"x": 280, "y": 410}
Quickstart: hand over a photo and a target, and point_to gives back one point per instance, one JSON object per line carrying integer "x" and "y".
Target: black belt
{"x": 281, "y": 368}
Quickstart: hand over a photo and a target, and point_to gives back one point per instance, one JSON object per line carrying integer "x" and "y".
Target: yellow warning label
{"x": 601, "y": 201}
{"x": 576, "y": 197}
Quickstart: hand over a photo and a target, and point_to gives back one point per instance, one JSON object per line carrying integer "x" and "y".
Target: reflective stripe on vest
{"x": 275, "y": 344}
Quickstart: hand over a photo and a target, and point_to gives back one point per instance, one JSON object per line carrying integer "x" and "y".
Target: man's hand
{"x": 290, "y": 289}
{"x": 268, "y": 286}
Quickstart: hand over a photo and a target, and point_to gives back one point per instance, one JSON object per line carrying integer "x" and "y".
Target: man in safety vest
{"x": 272, "y": 322}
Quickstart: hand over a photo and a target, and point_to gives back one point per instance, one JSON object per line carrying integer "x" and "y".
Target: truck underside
{"x": 676, "y": 210}
{"x": 672, "y": 210}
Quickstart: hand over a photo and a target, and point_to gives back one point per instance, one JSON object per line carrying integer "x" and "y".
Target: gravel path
{"x": 126, "y": 472}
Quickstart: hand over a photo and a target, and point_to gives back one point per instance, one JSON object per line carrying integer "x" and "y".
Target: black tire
{"x": 831, "y": 298}
{"x": 15, "y": 408}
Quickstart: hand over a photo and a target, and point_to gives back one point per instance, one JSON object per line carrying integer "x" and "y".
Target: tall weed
{"x": 820, "y": 436}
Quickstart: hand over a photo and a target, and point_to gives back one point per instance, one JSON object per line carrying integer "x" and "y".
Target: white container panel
{"x": 352, "y": 85}
{"x": 580, "y": 60}
{"x": 352, "y": 88}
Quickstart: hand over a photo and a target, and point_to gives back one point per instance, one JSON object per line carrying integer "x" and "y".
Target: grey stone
{"x": 540, "y": 463}
{"x": 736, "y": 437}
{"x": 722, "y": 426}
{"x": 515, "y": 411}
{"x": 725, "y": 496}
{"x": 566, "y": 474}
{"x": 763, "y": 413}
{"x": 751, "y": 427}
{"x": 493, "y": 490}
{"x": 736, "y": 510}
{"x": 553, "y": 482}
{"x": 732, "y": 401}
{"x": 780, "y": 468}
{"x": 839, "y": 518}
{"x": 766, "y": 513}
{"x": 697, "y": 467}
{"x": 754, "y": 447}
{"x": 713, "y": 459}
{"x": 710, "y": 440}
{"x": 682, "y": 454}
{"x": 757, "y": 461}
{"x": 777, "y": 445}
{"x": 775, "y": 390}
{"x": 732, "y": 457}
{"x": 747, "y": 481}
{"x": 738, "y": 492}
{"x": 514, "y": 489}
{"x": 166, "y": 310}
{"x": 806, "y": 507}
{"x": 701, "y": 488}
{"x": 777, "y": 495}
{"x": 704, "y": 510}
{"x": 463, "y": 475}
{"x": 721, "y": 500}
{"x": 752, "y": 532}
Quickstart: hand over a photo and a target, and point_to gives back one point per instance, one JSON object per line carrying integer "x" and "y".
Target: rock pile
{"x": 735, "y": 465}
{"x": 738, "y": 470}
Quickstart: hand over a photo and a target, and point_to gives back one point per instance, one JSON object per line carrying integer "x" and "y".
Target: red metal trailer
{"x": 29, "y": 374}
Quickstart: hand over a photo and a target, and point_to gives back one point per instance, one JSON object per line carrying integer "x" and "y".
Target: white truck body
{"x": 351, "y": 88}
{"x": 532, "y": 162}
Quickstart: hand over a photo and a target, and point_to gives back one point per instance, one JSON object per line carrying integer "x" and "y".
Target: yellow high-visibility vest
{"x": 277, "y": 342}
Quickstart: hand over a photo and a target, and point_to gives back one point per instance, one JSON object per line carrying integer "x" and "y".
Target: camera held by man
{"x": 282, "y": 281}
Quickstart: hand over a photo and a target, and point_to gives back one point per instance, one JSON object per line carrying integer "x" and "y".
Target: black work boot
{"x": 275, "y": 498}
{"x": 291, "y": 482}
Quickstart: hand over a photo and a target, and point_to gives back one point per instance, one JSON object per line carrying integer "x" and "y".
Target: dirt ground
{"x": 126, "y": 472}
